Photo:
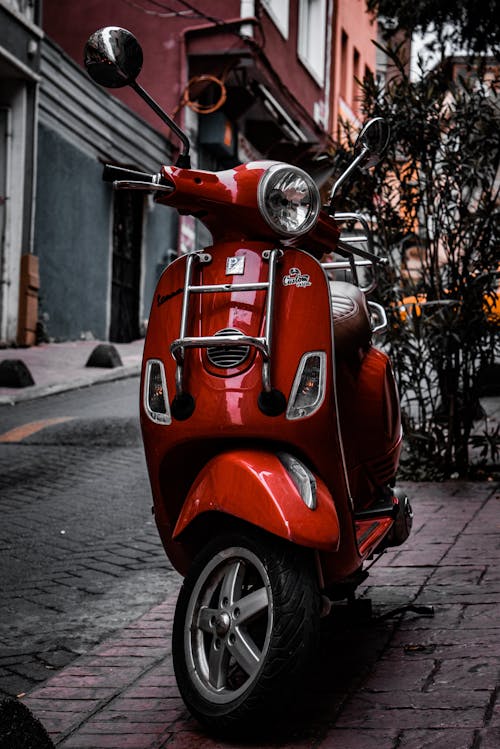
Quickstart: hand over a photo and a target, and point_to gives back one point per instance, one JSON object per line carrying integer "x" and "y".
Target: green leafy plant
{"x": 434, "y": 200}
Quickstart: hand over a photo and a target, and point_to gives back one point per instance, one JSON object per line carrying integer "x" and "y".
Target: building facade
{"x": 98, "y": 250}
{"x": 20, "y": 44}
{"x": 245, "y": 78}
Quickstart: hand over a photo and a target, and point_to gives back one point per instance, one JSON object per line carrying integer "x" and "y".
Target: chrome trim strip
{"x": 184, "y": 316}
{"x": 382, "y": 327}
{"x": 346, "y": 265}
{"x": 336, "y": 405}
{"x": 261, "y": 286}
{"x": 266, "y": 363}
{"x": 122, "y": 184}
{"x": 177, "y": 347}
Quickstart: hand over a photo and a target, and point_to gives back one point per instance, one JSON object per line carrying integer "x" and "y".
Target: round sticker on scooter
{"x": 296, "y": 278}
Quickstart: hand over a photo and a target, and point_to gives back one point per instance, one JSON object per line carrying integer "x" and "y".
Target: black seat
{"x": 351, "y": 321}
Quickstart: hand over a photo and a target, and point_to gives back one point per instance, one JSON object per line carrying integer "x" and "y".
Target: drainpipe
{"x": 247, "y": 10}
{"x": 328, "y": 125}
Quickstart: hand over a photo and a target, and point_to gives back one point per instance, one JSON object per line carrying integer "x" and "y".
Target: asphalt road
{"x": 79, "y": 551}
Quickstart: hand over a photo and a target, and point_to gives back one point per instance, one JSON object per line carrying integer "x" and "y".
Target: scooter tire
{"x": 246, "y": 625}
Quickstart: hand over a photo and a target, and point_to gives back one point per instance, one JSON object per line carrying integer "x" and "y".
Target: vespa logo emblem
{"x": 235, "y": 266}
{"x": 296, "y": 278}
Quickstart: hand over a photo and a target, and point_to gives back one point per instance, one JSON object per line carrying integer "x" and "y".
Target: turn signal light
{"x": 308, "y": 390}
{"x": 155, "y": 393}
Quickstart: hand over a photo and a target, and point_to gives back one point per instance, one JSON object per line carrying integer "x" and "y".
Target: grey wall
{"x": 80, "y": 128}
{"x": 72, "y": 229}
{"x": 160, "y": 239}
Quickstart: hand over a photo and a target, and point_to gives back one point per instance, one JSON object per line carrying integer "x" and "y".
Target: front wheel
{"x": 245, "y": 624}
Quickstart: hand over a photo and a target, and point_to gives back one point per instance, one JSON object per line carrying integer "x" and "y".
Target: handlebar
{"x": 113, "y": 173}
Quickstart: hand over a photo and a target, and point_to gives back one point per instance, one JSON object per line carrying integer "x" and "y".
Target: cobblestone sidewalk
{"x": 58, "y": 367}
{"x": 396, "y": 682}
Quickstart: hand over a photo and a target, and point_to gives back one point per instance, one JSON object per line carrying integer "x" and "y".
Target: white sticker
{"x": 235, "y": 266}
{"x": 296, "y": 278}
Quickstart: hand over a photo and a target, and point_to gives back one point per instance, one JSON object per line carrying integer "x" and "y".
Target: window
{"x": 312, "y": 37}
{"x": 343, "y": 64}
{"x": 356, "y": 90}
{"x": 278, "y": 11}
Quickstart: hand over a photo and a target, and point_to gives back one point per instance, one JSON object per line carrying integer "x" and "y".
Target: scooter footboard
{"x": 274, "y": 492}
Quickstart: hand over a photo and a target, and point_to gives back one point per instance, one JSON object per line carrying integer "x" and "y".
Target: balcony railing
{"x": 26, "y": 8}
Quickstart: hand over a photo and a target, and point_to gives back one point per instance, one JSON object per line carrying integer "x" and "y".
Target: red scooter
{"x": 271, "y": 424}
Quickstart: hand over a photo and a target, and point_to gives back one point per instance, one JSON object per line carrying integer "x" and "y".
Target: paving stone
{"x": 441, "y": 644}
{"x": 411, "y": 717}
{"x": 341, "y": 738}
{"x": 481, "y": 615}
{"x": 166, "y": 702}
{"x": 437, "y": 739}
{"x": 13, "y": 684}
{"x": 445, "y": 615}
{"x": 468, "y": 673}
{"x": 400, "y": 576}
{"x": 34, "y": 671}
{"x": 490, "y": 738}
{"x": 426, "y": 555}
{"x": 110, "y": 678}
{"x": 459, "y": 593}
{"x": 493, "y": 714}
{"x": 81, "y": 740}
{"x": 80, "y": 708}
{"x": 167, "y": 717}
{"x": 388, "y": 677}
{"x": 467, "y": 575}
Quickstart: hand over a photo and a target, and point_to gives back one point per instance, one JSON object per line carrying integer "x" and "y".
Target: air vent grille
{"x": 227, "y": 357}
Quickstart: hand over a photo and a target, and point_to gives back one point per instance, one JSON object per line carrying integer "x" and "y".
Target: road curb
{"x": 41, "y": 391}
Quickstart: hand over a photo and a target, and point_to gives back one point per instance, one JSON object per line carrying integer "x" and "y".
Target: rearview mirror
{"x": 373, "y": 140}
{"x": 368, "y": 149}
{"x": 113, "y": 57}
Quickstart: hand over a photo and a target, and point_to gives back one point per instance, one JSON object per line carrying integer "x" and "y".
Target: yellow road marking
{"x": 26, "y": 430}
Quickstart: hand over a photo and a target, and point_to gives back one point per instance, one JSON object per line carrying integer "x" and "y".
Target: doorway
{"x": 4, "y": 160}
{"x": 126, "y": 273}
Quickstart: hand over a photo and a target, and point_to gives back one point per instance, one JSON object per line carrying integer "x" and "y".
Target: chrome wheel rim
{"x": 229, "y": 621}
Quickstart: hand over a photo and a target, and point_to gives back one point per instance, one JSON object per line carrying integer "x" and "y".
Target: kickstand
{"x": 426, "y": 611}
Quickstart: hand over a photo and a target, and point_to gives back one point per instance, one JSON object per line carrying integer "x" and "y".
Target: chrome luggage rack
{"x": 262, "y": 344}
{"x": 357, "y": 257}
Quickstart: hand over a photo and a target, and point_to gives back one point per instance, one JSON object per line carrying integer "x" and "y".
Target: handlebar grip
{"x": 111, "y": 173}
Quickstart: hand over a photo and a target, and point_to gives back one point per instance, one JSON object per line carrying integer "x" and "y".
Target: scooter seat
{"x": 351, "y": 321}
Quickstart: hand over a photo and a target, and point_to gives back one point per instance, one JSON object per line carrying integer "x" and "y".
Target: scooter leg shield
{"x": 261, "y": 489}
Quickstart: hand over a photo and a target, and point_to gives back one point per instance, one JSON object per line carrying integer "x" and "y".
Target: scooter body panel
{"x": 254, "y": 486}
{"x": 226, "y": 414}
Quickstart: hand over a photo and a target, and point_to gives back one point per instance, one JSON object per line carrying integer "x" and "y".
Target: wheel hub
{"x": 222, "y": 623}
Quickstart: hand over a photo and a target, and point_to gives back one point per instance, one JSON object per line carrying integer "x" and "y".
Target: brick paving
{"x": 80, "y": 555}
{"x": 399, "y": 681}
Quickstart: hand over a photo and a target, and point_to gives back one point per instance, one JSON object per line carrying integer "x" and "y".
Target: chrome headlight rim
{"x": 262, "y": 199}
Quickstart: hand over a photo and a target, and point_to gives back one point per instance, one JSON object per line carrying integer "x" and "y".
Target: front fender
{"x": 254, "y": 485}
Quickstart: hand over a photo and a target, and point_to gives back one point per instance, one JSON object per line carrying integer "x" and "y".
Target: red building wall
{"x": 161, "y": 34}
{"x": 353, "y": 52}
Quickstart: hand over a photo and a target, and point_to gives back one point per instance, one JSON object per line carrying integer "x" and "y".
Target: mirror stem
{"x": 184, "y": 160}
{"x": 354, "y": 164}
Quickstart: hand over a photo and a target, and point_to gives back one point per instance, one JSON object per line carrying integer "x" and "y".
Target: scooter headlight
{"x": 308, "y": 389}
{"x": 155, "y": 393}
{"x": 288, "y": 200}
